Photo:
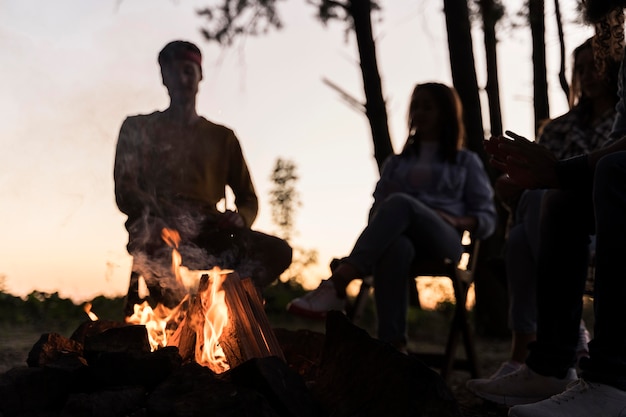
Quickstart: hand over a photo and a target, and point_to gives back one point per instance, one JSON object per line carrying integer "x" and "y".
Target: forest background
{"x": 328, "y": 92}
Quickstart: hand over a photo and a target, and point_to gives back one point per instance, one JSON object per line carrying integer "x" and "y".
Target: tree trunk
{"x": 490, "y": 18}
{"x": 540, "y": 82}
{"x": 375, "y": 108}
{"x": 491, "y": 305}
{"x": 559, "y": 25}
{"x": 463, "y": 71}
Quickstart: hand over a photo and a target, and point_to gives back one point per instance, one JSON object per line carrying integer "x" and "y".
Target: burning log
{"x": 185, "y": 336}
{"x": 248, "y": 334}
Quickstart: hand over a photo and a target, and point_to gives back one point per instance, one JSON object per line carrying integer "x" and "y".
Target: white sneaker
{"x": 523, "y": 386}
{"x": 318, "y": 302}
{"x": 506, "y": 368}
{"x": 582, "y": 399}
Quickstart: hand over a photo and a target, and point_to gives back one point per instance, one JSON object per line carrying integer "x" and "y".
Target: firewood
{"x": 249, "y": 327}
{"x": 49, "y": 348}
{"x": 185, "y": 336}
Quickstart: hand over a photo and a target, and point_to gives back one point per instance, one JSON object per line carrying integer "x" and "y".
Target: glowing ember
{"x": 91, "y": 315}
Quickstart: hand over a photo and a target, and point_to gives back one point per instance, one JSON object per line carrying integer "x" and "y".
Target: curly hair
{"x": 608, "y": 42}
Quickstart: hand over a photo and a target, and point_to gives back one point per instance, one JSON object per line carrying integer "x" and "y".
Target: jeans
{"x": 607, "y": 350}
{"x": 521, "y": 260}
{"x": 563, "y": 256}
{"x": 402, "y": 232}
{"x": 567, "y": 220}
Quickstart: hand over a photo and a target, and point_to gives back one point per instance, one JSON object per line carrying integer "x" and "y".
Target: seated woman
{"x": 426, "y": 197}
{"x": 584, "y": 128}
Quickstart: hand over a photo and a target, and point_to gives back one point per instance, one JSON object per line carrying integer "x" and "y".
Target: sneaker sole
{"x": 509, "y": 401}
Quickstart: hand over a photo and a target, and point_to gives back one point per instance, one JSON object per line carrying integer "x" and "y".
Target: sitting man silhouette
{"x": 172, "y": 168}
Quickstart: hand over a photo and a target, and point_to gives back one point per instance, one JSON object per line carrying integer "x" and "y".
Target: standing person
{"x": 171, "y": 169}
{"x": 585, "y": 127}
{"x": 588, "y": 192}
{"x": 426, "y": 197}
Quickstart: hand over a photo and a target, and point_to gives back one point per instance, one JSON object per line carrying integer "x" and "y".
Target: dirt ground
{"x": 16, "y": 342}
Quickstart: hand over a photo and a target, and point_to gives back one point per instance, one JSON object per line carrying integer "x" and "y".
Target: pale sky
{"x": 72, "y": 70}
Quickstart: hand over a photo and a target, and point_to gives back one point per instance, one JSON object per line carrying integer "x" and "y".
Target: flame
{"x": 158, "y": 321}
{"x": 161, "y": 322}
{"x": 172, "y": 238}
{"x": 216, "y": 318}
{"x": 91, "y": 315}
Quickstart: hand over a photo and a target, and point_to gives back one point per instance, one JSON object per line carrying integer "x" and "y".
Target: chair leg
{"x": 470, "y": 350}
{"x": 461, "y": 326}
{"x": 451, "y": 346}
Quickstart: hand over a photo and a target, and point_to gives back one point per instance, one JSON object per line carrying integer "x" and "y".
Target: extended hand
{"x": 527, "y": 163}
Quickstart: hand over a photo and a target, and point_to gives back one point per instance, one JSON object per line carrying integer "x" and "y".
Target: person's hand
{"x": 527, "y": 163}
{"x": 461, "y": 223}
{"x": 230, "y": 220}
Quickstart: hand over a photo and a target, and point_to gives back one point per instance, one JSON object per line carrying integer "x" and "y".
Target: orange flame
{"x": 216, "y": 318}
{"x": 172, "y": 238}
{"x": 214, "y": 308}
{"x": 156, "y": 321}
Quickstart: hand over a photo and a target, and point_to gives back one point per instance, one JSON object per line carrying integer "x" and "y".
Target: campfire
{"x": 219, "y": 324}
{"x": 215, "y": 353}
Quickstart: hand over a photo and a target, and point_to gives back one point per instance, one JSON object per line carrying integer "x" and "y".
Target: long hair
{"x": 608, "y": 70}
{"x": 452, "y": 129}
{"x": 607, "y": 18}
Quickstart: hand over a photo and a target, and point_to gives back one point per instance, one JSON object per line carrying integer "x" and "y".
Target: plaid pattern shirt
{"x": 566, "y": 136}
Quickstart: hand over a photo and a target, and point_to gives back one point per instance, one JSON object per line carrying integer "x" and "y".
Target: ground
{"x": 427, "y": 334}
{"x": 16, "y": 342}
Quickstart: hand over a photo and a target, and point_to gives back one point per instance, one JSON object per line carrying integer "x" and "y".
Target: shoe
{"x": 581, "y": 399}
{"x": 523, "y": 386}
{"x": 506, "y": 368}
{"x": 318, "y": 302}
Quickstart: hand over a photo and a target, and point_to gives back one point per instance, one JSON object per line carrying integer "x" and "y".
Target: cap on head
{"x": 180, "y": 50}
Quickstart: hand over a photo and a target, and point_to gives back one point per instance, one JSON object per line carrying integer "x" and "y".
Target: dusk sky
{"x": 72, "y": 70}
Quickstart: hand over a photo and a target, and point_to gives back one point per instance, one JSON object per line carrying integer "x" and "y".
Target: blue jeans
{"x": 567, "y": 221}
{"x": 403, "y": 231}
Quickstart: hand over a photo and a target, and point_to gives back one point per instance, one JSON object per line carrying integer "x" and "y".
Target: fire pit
{"x": 215, "y": 353}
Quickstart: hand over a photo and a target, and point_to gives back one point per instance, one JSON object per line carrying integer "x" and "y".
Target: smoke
{"x": 153, "y": 261}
